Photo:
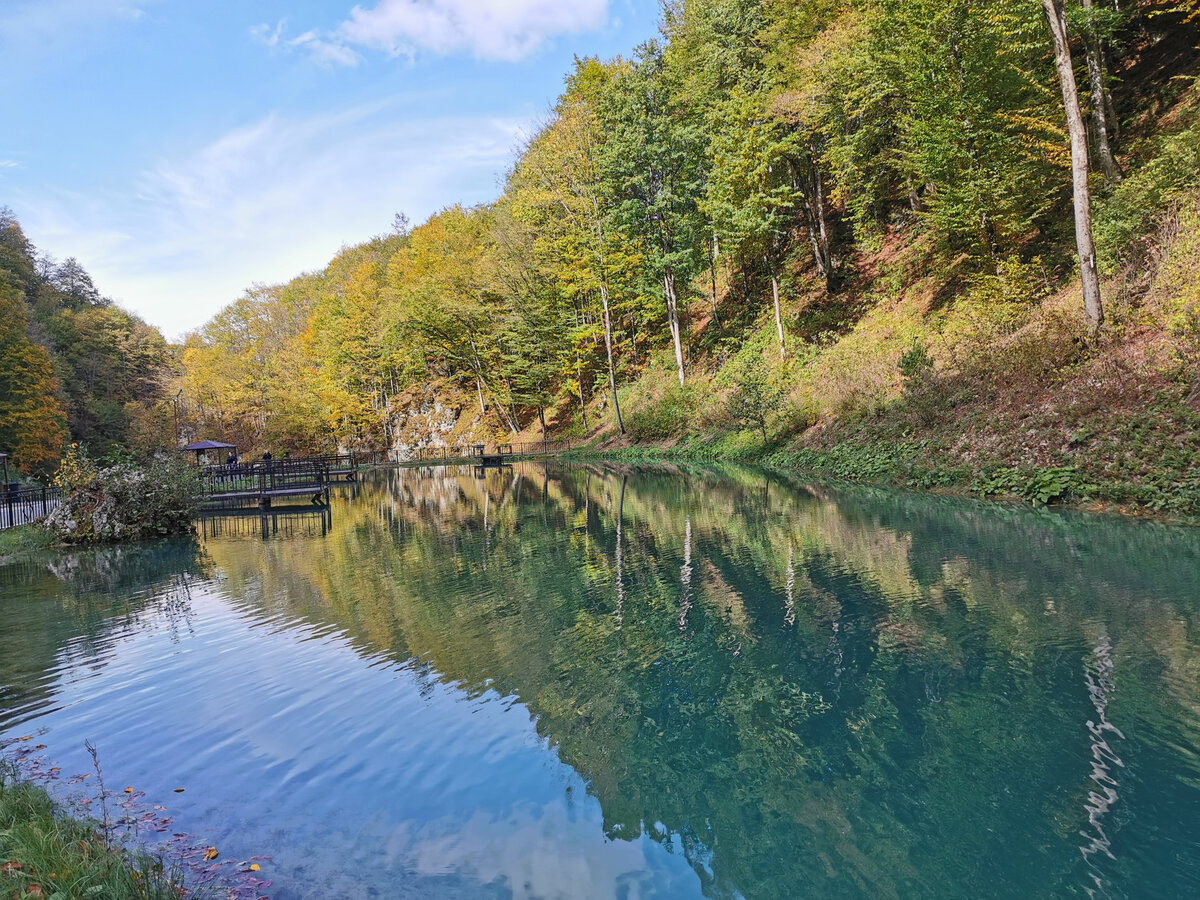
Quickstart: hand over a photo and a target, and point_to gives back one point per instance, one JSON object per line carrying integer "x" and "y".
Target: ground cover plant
{"x": 63, "y": 838}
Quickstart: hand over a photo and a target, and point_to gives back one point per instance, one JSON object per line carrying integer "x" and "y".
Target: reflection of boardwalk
{"x": 295, "y": 521}
{"x": 27, "y": 505}
{"x": 488, "y": 456}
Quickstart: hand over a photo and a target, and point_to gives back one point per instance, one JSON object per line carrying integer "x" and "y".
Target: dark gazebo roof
{"x": 206, "y": 445}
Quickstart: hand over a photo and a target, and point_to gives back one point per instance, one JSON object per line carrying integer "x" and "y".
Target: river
{"x": 572, "y": 681}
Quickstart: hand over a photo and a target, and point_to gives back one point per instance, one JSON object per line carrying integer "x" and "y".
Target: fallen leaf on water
{"x": 180, "y": 790}
{"x": 38, "y": 747}
{"x": 129, "y": 790}
{"x": 211, "y": 853}
{"x": 255, "y": 867}
{"x": 28, "y": 737}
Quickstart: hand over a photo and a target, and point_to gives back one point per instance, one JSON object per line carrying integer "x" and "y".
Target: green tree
{"x": 651, "y": 166}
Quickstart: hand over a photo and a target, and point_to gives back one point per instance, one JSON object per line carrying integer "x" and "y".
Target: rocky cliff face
{"x": 420, "y": 421}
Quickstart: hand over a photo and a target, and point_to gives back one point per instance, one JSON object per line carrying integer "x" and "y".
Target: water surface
{"x": 614, "y": 682}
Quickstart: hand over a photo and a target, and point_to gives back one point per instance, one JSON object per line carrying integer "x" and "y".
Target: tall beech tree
{"x": 32, "y": 419}
{"x": 1085, "y": 245}
{"x": 651, "y": 165}
{"x": 752, "y": 192}
{"x": 556, "y": 189}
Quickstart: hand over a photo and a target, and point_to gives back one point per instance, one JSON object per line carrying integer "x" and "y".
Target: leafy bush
{"x": 755, "y": 397}
{"x": 1126, "y": 218}
{"x": 122, "y": 501}
{"x": 1040, "y": 486}
{"x": 668, "y": 415}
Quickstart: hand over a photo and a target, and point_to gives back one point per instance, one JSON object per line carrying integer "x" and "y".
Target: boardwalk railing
{"x": 259, "y": 480}
{"x": 477, "y": 451}
{"x": 25, "y": 505}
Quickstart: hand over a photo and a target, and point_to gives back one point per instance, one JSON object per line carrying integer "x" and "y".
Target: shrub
{"x": 122, "y": 501}
{"x": 670, "y": 414}
{"x": 755, "y": 397}
{"x": 1125, "y": 219}
{"x": 1039, "y": 486}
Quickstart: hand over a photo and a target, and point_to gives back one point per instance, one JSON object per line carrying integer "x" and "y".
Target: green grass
{"x": 24, "y": 539}
{"x": 45, "y": 853}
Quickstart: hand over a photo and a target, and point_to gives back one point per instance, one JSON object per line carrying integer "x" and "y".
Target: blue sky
{"x": 183, "y": 150}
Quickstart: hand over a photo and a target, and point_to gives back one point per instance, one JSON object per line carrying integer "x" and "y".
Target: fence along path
{"x": 488, "y": 453}
{"x": 25, "y": 505}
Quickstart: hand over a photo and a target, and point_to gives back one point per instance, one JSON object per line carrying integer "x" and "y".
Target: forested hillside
{"x": 837, "y": 231}
{"x": 761, "y": 221}
{"x": 72, "y": 365}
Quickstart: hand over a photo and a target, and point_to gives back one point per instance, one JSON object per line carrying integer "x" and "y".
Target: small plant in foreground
{"x": 754, "y": 398}
{"x": 52, "y": 847}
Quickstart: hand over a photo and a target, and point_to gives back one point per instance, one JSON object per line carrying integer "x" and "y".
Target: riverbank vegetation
{"x": 840, "y": 235}
{"x": 122, "y": 500}
{"x": 45, "y": 853}
{"x": 828, "y": 234}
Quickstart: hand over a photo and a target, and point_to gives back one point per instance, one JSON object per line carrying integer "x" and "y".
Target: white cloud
{"x": 506, "y": 30}
{"x": 489, "y": 29}
{"x": 264, "y": 203}
{"x": 9, "y": 164}
{"x": 324, "y": 50}
{"x": 32, "y": 25}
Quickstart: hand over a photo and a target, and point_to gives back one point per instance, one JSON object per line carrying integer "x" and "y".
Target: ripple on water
{"x": 813, "y": 693}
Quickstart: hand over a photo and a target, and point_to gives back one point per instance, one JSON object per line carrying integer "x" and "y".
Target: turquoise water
{"x": 618, "y": 682}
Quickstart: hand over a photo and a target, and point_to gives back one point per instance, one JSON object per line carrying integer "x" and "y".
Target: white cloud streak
{"x": 502, "y": 30}
{"x": 265, "y": 203}
{"x": 29, "y": 26}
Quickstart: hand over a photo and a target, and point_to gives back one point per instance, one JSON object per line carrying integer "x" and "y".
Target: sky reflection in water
{"x": 590, "y": 682}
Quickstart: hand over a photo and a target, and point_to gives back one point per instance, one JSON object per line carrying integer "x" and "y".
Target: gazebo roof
{"x": 207, "y": 445}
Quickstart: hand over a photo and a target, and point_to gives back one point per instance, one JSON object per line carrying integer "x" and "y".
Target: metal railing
{"x": 25, "y": 505}
{"x": 264, "y": 476}
{"x": 475, "y": 451}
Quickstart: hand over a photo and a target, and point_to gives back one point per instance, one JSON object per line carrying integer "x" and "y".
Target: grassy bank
{"x": 24, "y": 539}
{"x": 46, "y": 853}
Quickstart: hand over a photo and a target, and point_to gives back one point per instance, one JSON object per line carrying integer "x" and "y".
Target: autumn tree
{"x": 32, "y": 421}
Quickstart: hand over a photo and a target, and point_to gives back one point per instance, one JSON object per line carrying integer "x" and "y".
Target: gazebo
{"x": 202, "y": 447}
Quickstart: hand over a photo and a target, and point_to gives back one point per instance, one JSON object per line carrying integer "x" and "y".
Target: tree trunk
{"x": 778, "y": 312}
{"x": 712, "y": 271}
{"x": 673, "y": 320}
{"x": 608, "y": 341}
{"x": 1101, "y": 103}
{"x": 823, "y": 225}
{"x": 1086, "y": 246}
{"x": 579, "y": 381}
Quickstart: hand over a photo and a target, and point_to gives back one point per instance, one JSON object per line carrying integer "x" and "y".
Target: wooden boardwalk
{"x": 265, "y": 482}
